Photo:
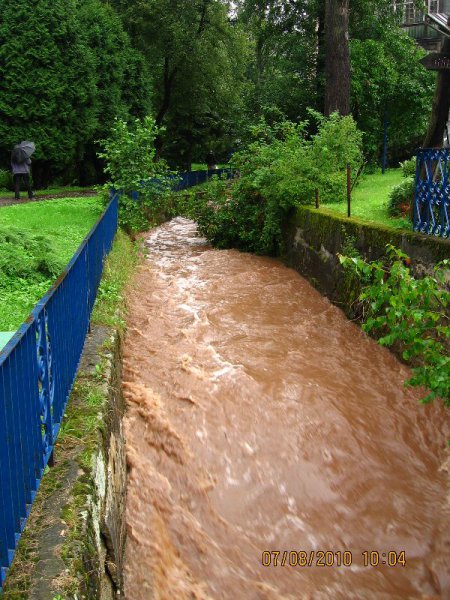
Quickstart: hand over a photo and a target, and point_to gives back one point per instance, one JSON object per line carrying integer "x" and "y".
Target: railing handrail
{"x": 38, "y": 367}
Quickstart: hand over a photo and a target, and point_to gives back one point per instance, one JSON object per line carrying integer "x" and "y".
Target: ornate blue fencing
{"x": 187, "y": 179}
{"x": 37, "y": 370}
{"x": 191, "y": 178}
{"x": 432, "y": 192}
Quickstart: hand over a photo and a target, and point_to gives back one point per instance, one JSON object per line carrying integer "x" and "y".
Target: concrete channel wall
{"x": 314, "y": 237}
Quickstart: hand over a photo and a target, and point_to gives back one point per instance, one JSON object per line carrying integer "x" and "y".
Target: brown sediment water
{"x": 259, "y": 419}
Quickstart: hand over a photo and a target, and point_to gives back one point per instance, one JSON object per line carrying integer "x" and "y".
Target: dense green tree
{"x": 206, "y": 73}
{"x": 47, "y": 80}
{"x": 386, "y": 76}
{"x": 282, "y": 70}
{"x": 389, "y": 80}
{"x": 123, "y": 86}
{"x": 197, "y": 60}
{"x": 65, "y": 67}
{"x": 123, "y": 83}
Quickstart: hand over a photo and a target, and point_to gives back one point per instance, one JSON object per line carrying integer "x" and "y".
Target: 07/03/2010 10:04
{"x": 328, "y": 558}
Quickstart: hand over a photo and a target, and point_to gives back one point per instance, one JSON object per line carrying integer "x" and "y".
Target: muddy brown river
{"x": 273, "y": 451}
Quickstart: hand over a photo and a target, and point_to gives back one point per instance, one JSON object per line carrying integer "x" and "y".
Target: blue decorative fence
{"x": 187, "y": 179}
{"x": 37, "y": 370}
{"x": 432, "y": 192}
{"x": 191, "y": 178}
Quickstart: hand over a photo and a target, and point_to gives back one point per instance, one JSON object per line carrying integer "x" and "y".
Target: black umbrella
{"x": 23, "y": 151}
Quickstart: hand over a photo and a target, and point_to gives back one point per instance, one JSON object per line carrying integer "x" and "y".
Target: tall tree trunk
{"x": 441, "y": 105}
{"x": 337, "y": 59}
{"x": 169, "y": 78}
{"x": 320, "y": 62}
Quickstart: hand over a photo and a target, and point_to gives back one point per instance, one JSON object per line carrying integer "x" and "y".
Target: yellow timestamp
{"x": 373, "y": 558}
{"x": 332, "y": 558}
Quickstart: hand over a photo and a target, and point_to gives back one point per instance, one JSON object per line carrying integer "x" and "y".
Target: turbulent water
{"x": 261, "y": 420}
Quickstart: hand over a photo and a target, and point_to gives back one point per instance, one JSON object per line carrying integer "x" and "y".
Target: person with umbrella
{"x": 20, "y": 165}
{"x": 211, "y": 162}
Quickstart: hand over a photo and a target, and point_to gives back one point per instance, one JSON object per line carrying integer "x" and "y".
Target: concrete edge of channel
{"x": 81, "y": 538}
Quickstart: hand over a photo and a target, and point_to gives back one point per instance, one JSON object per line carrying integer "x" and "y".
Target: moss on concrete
{"x": 326, "y": 228}
{"x": 314, "y": 237}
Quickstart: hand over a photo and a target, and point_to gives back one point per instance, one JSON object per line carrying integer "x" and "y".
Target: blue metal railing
{"x": 432, "y": 192}
{"x": 191, "y": 178}
{"x": 187, "y": 179}
{"x": 38, "y": 367}
{"x": 37, "y": 371}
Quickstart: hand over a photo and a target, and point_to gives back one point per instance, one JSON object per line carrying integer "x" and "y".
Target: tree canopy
{"x": 205, "y": 70}
{"x": 66, "y": 70}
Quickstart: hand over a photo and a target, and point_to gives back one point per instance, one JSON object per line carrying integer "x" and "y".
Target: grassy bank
{"x": 204, "y": 166}
{"x": 109, "y": 307}
{"x": 370, "y": 198}
{"x": 43, "y": 238}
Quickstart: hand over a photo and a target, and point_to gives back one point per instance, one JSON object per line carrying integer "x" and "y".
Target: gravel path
{"x": 24, "y": 200}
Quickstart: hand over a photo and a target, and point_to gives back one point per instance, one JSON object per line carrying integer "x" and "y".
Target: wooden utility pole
{"x": 349, "y": 191}
{"x": 337, "y": 57}
{"x": 441, "y": 102}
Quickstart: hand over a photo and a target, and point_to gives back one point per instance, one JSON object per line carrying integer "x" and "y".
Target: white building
{"x": 413, "y": 20}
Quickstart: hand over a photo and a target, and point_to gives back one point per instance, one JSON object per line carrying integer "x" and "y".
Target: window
{"x": 413, "y": 15}
{"x": 433, "y": 6}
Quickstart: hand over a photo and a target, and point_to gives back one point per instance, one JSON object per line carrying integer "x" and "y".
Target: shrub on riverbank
{"x": 402, "y": 195}
{"x": 281, "y": 169}
{"x": 410, "y": 314}
{"x": 130, "y": 155}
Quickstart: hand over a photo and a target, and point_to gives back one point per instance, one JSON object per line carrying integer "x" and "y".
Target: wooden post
{"x": 441, "y": 102}
{"x": 317, "y": 198}
{"x": 349, "y": 191}
{"x": 385, "y": 142}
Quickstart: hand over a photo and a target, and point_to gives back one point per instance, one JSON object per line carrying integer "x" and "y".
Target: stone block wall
{"x": 314, "y": 237}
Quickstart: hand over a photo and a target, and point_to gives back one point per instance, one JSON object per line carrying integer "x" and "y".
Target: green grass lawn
{"x": 370, "y": 197}
{"x": 203, "y": 166}
{"x": 64, "y": 223}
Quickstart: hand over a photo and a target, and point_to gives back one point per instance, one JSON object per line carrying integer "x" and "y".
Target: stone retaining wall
{"x": 314, "y": 237}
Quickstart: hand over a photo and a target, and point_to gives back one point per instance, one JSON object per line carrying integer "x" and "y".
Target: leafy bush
{"x": 129, "y": 153}
{"x": 36, "y": 242}
{"x": 27, "y": 267}
{"x": 408, "y": 167}
{"x": 5, "y": 180}
{"x": 401, "y": 197}
{"x": 279, "y": 170}
{"x": 25, "y": 255}
{"x": 411, "y": 314}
